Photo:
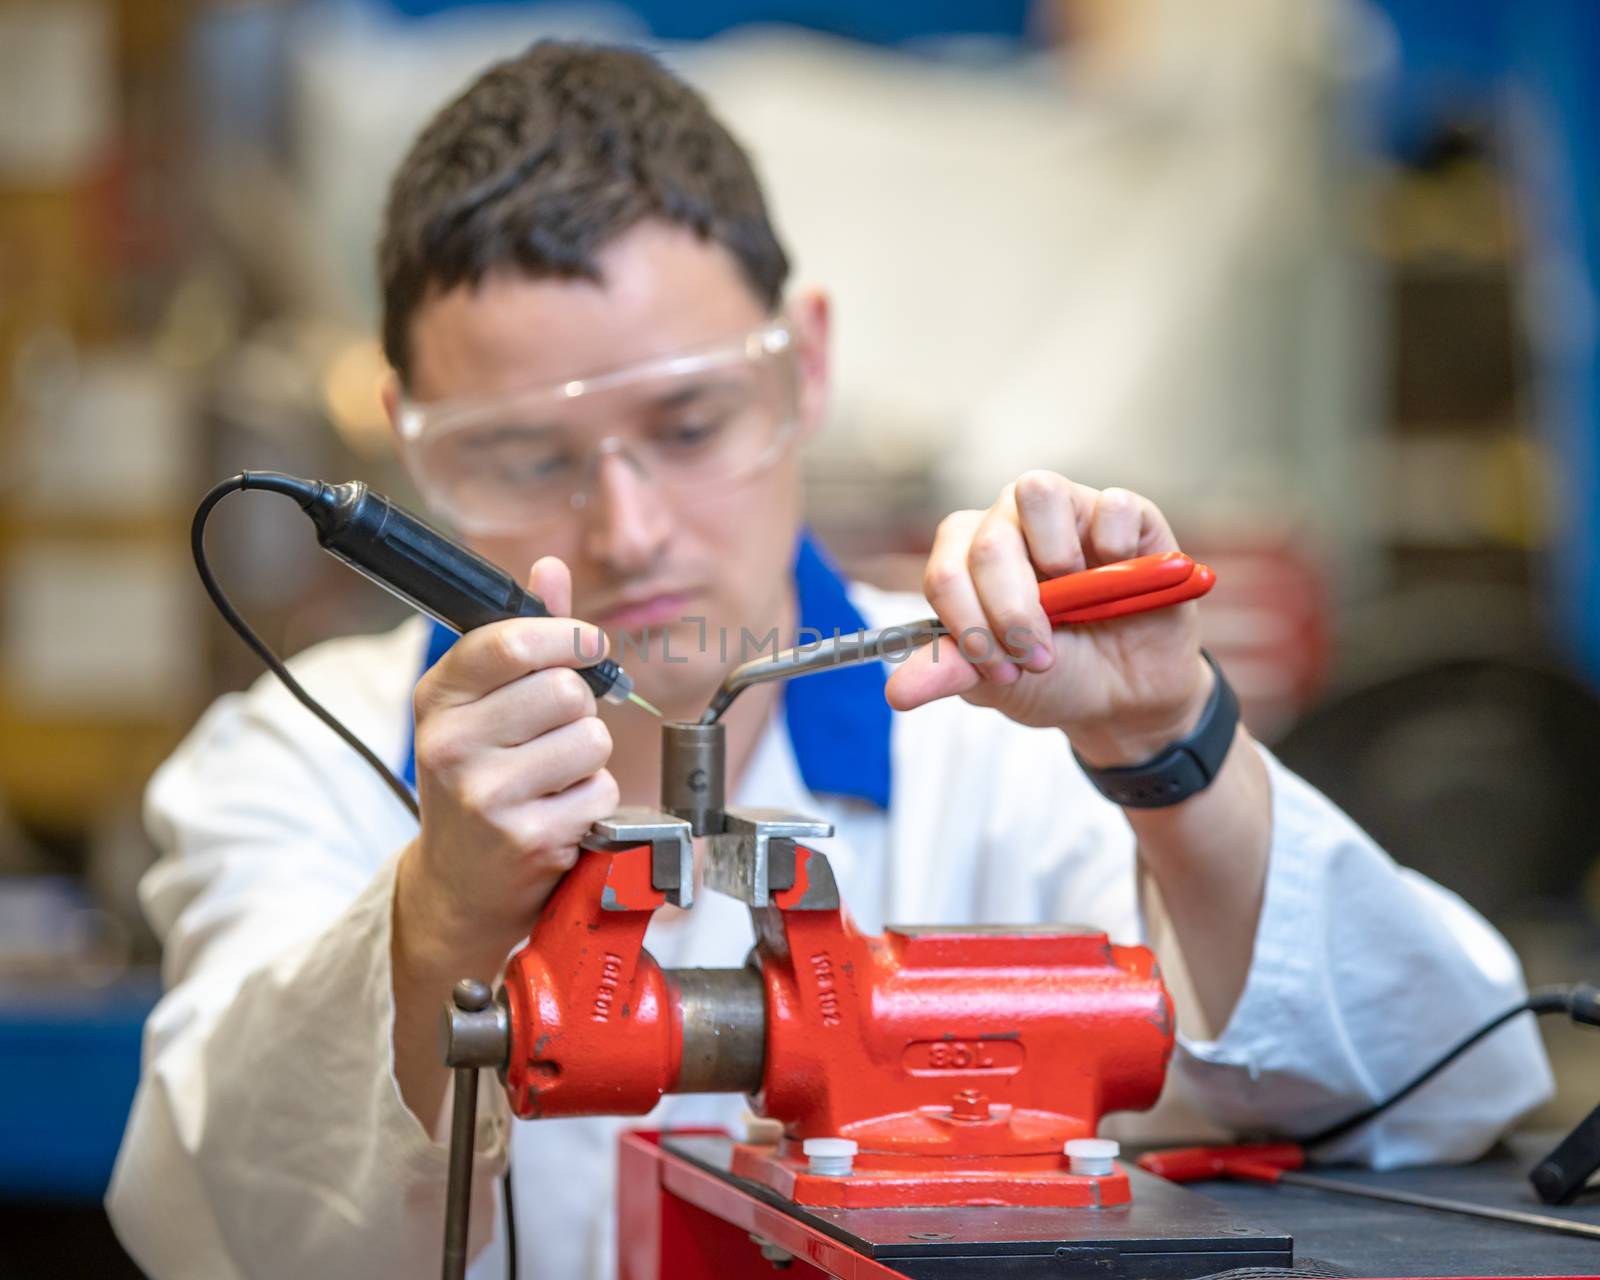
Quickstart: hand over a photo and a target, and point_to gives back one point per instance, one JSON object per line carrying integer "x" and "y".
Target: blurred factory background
{"x": 1319, "y": 277}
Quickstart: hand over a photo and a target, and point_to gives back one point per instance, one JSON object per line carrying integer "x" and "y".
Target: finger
{"x": 563, "y": 819}
{"x": 1008, "y": 588}
{"x": 525, "y": 709}
{"x": 489, "y": 657}
{"x": 1047, "y": 509}
{"x": 547, "y": 766}
{"x": 1124, "y": 525}
{"x": 1114, "y": 527}
{"x": 947, "y": 582}
{"x": 551, "y": 581}
{"x": 934, "y": 671}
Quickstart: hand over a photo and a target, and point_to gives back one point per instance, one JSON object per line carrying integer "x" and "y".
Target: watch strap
{"x": 1182, "y": 769}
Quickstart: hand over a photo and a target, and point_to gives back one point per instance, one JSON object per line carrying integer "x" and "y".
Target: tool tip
{"x": 638, "y": 701}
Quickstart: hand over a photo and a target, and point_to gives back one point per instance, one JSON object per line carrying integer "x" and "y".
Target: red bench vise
{"x": 959, "y": 1058}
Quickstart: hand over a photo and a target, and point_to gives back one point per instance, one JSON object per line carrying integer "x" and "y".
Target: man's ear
{"x": 809, "y": 316}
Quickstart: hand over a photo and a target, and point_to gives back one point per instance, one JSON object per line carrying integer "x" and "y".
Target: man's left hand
{"x": 1122, "y": 690}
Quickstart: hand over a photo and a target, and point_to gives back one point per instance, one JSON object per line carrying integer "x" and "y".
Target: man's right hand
{"x": 510, "y": 771}
{"x": 510, "y": 775}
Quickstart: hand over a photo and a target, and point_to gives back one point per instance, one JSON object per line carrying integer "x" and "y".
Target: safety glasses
{"x": 521, "y": 460}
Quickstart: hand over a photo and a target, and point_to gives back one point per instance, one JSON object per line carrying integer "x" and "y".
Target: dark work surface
{"x": 1167, "y": 1233}
{"x": 1364, "y": 1237}
{"x": 1372, "y": 1238}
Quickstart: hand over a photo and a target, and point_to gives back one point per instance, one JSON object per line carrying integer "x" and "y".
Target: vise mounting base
{"x": 927, "y": 1182}
{"x": 1165, "y": 1233}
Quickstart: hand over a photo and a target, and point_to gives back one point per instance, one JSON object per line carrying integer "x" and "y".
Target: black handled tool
{"x": 409, "y": 558}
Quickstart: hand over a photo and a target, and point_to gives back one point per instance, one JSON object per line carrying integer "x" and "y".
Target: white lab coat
{"x": 268, "y": 1137}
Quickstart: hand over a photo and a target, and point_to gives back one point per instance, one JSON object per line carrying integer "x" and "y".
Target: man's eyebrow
{"x": 680, "y": 396}
{"x": 490, "y": 436}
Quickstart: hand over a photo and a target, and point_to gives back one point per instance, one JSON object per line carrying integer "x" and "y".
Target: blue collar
{"x": 839, "y": 722}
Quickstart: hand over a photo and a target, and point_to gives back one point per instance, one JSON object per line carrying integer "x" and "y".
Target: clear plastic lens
{"x": 520, "y": 460}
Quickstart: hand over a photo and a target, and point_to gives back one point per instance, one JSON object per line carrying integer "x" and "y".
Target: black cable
{"x": 1580, "y": 1001}
{"x": 292, "y": 488}
{"x": 511, "y": 1220}
{"x": 260, "y": 480}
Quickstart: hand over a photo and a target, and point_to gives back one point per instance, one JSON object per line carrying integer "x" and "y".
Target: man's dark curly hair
{"x": 547, "y": 158}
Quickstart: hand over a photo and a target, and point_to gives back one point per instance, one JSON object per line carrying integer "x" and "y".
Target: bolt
{"x": 1091, "y": 1157}
{"x": 970, "y": 1104}
{"x": 776, "y": 1254}
{"x": 830, "y": 1157}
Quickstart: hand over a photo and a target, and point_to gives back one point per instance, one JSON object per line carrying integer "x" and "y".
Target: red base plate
{"x": 889, "y": 1182}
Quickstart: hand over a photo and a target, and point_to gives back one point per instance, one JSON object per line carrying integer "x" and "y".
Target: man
{"x": 597, "y": 374}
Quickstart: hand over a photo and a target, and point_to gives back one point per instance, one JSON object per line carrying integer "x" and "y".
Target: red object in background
{"x": 1268, "y": 624}
{"x": 959, "y": 1058}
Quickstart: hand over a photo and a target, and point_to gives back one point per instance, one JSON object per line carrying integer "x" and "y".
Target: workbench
{"x": 684, "y": 1217}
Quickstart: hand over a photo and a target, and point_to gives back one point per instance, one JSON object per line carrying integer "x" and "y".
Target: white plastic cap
{"x": 1092, "y": 1157}
{"x": 830, "y": 1157}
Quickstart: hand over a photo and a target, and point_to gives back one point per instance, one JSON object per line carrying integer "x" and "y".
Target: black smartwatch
{"x": 1182, "y": 769}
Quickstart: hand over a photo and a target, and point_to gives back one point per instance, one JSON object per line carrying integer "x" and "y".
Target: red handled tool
{"x": 1092, "y": 595}
{"x": 1277, "y": 1162}
{"x": 1126, "y": 587}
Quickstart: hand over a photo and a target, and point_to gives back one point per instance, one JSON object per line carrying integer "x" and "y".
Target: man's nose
{"x": 626, "y": 523}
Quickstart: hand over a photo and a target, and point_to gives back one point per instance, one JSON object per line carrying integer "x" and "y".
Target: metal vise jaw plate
{"x": 671, "y": 847}
{"x": 753, "y": 856}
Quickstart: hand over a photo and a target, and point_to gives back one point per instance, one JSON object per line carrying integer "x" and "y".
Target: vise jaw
{"x": 753, "y": 857}
{"x": 752, "y": 851}
{"x": 671, "y": 844}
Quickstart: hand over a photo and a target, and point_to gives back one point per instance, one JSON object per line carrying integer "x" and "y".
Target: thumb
{"x": 935, "y": 671}
{"x": 551, "y": 581}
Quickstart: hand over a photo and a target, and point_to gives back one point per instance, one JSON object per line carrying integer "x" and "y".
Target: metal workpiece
{"x": 474, "y": 1030}
{"x": 1090, "y": 595}
{"x": 723, "y": 1016}
{"x": 893, "y": 643}
{"x": 693, "y": 767}
{"x": 671, "y": 844}
{"x": 1471, "y": 1209}
{"x": 753, "y": 856}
